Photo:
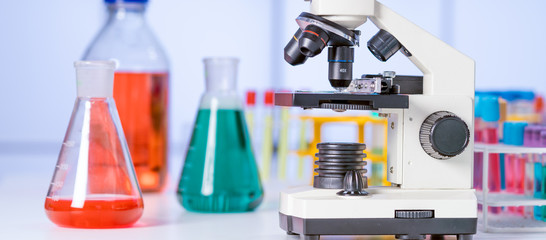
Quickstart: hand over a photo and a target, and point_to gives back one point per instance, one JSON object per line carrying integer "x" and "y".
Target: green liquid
{"x": 220, "y": 172}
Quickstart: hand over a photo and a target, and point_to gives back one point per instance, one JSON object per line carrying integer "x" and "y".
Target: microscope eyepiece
{"x": 292, "y": 54}
{"x": 312, "y": 40}
{"x": 383, "y": 45}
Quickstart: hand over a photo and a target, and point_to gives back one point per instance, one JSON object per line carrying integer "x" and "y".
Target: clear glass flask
{"x": 220, "y": 172}
{"x": 94, "y": 184}
{"x": 141, "y": 86}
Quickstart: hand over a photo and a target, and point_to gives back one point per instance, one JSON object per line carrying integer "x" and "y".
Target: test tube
{"x": 267, "y": 136}
{"x": 503, "y": 105}
{"x": 539, "y": 172}
{"x": 509, "y": 173}
{"x": 542, "y": 143}
{"x": 515, "y": 163}
{"x": 490, "y": 117}
{"x": 529, "y": 168}
{"x": 249, "y": 110}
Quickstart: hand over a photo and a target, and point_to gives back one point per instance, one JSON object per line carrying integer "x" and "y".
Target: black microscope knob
{"x": 354, "y": 184}
{"x": 444, "y": 135}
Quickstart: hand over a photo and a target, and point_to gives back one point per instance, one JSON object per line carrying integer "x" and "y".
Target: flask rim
{"x": 234, "y": 60}
{"x": 103, "y": 64}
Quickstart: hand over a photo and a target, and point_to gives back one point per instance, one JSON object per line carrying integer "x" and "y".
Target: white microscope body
{"x": 434, "y": 192}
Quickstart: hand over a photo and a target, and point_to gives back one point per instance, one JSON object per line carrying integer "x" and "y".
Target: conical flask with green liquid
{"x": 220, "y": 172}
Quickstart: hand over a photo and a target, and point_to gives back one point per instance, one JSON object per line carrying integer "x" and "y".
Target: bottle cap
{"x": 95, "y": 78}
{"x": 528, "y": 135}
{"x": 489, "y": 108}
{"x": 509, "y": 95}
{"x": 269, "y": 97}
{"x": 125, "y": 1}
{"x": 536, "y": 137}
{"x": 250, "y": 98}
{"x": 526, "y": 95}
{"x": 539, "y": 104}
{"x": 513, "y": 133}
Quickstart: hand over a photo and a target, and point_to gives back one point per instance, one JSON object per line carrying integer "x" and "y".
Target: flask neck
{"x": 221, "y": 75}
{"x": 121, "y": 12}
{"x": 95, "y": 79}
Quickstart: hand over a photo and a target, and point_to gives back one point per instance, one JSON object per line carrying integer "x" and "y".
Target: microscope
{"x": 430, "y": 130}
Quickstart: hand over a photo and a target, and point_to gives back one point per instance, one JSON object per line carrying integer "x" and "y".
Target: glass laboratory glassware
{"x": 266, "y": 153}
{"x": 542, "y": 143}
{"x": 250, "y": 109}
{"x": 94, "y": 184}
{"x": 141, "y": 87}
{"x": 220, "y": 172}
{"x": 529, "y": 167}
{"x": 540, "y": 175}
{"x": 515, "y": 163}
{"x": 490, "y": 117}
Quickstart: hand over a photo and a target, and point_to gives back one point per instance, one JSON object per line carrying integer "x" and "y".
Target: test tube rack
{"x": 506, "y": 222}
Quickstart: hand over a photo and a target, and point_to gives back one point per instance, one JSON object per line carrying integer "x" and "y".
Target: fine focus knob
{"x": 444, "y": 135}
{"x": 413, "y": 214}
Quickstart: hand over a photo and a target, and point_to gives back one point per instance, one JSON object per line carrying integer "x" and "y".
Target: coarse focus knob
{"x": 444, "y": 135}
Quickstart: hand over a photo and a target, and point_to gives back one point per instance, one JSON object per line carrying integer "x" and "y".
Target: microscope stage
{"x": 341, "y": 101}
{"x": 385, "y": 211}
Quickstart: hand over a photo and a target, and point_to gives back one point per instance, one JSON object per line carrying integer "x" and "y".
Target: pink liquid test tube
{"x": 515, "y": 163}
{"x": 490, "y": 114}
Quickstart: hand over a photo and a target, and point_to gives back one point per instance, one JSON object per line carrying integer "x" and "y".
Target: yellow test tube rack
{"x": 360, "y": 121}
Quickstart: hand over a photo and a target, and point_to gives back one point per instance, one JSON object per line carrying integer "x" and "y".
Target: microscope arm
{"x": 446, "y": 71}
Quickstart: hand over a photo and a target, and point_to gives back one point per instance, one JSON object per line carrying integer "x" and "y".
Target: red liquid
{"x": 515, "y": 178}
{"x": 520, "y": 174}
{"x": 107, "y": 170}
{"x": 478, "y": 170}
{"x": 490, "y": 137}
{"x": 142, "y": 99}
{"x": 95, "y": 213}
{"x": 478, "y": 157}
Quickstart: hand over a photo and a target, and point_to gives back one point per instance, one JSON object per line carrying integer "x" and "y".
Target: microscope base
{"x": 313, "y": 212}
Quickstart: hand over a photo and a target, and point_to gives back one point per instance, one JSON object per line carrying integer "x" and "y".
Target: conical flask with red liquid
{"x": 94, "y": 183}
{"x": 141, "y": 87}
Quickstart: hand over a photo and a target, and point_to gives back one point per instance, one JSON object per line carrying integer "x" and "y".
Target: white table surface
{"x": 24, "y": 180}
